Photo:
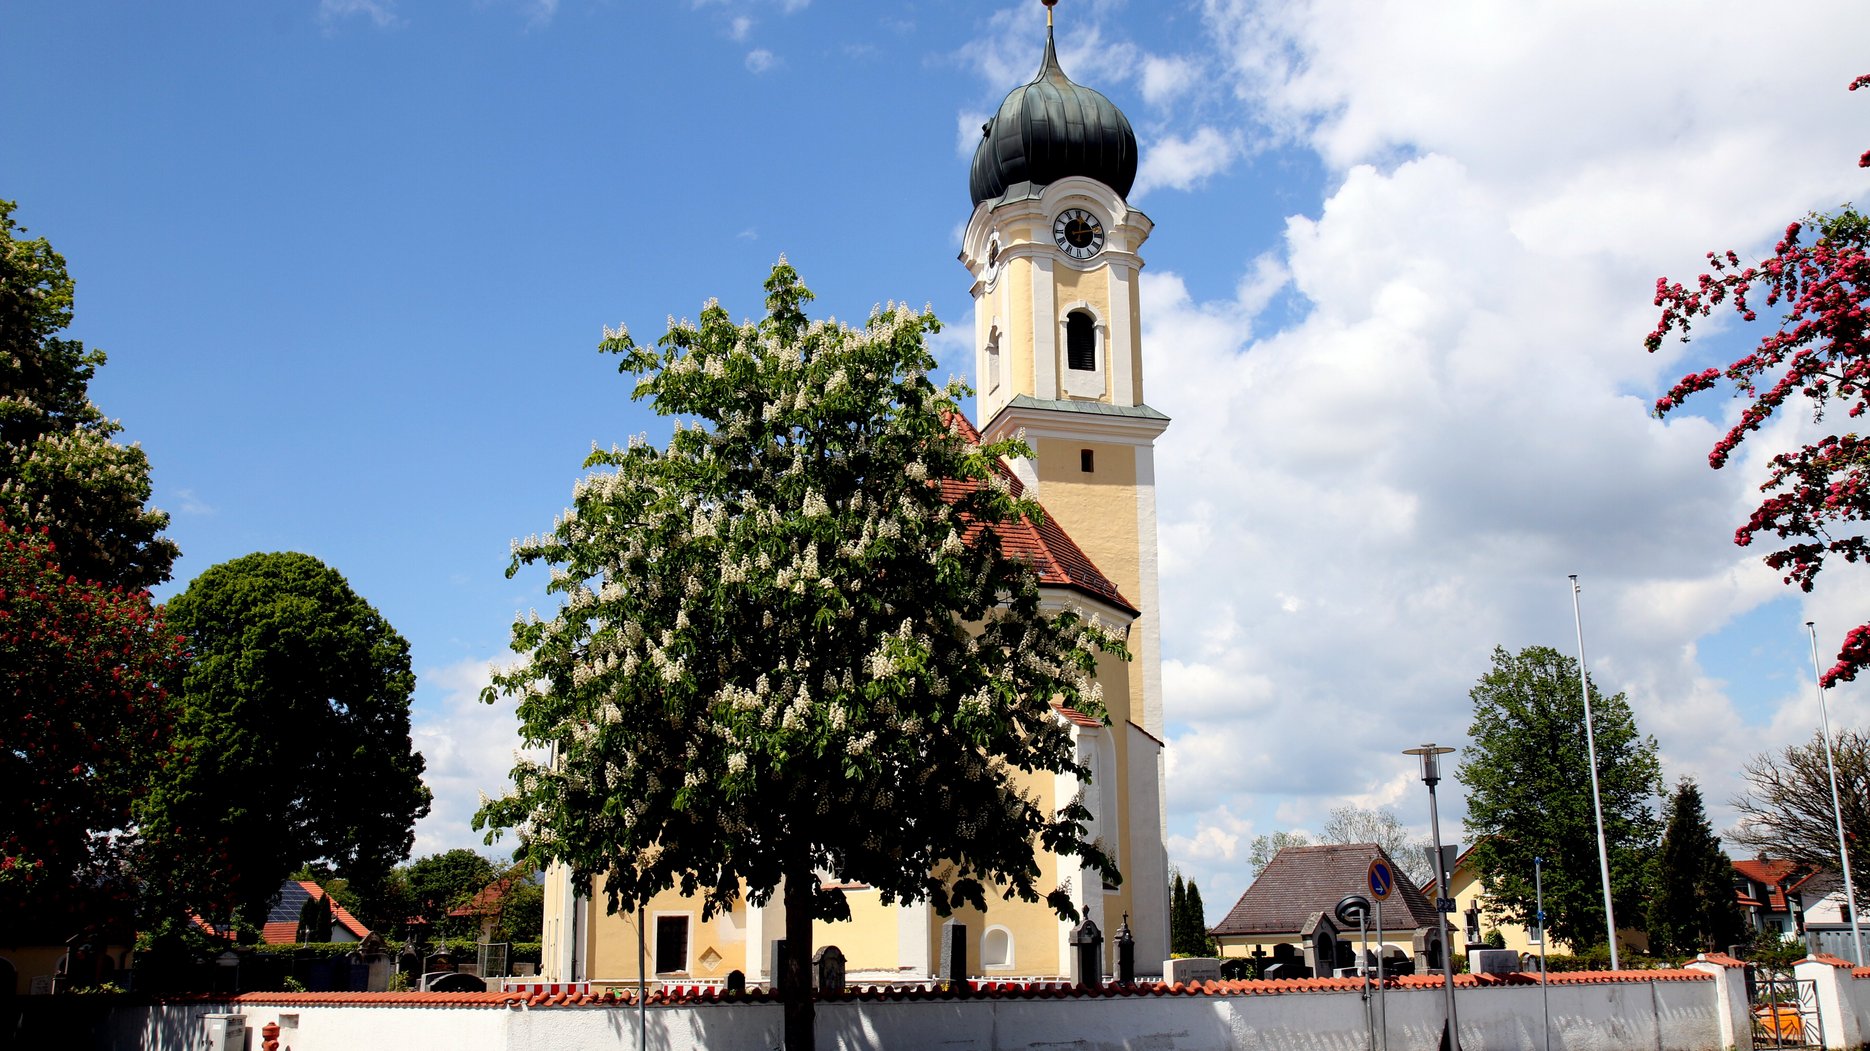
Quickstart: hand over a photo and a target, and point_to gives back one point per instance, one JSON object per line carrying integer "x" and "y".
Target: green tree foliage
{"x": 87, "y": 725}
{"x": 1786, "y": 809}
{"x": 294, "y": 729}
{"x": 441, "y": 883}
{"x": 60, "y": 470}
{"x": 1692, "y": 908}
{"x": 1528, "y": 784}
{"x": 791, "y": 641}
{"x": 1188, "y": 921}
{"x": 315, "y": 919}
{"x": 522, "y": 911}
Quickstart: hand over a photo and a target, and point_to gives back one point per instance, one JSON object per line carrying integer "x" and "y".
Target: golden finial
{"x": 1048, "y": 11}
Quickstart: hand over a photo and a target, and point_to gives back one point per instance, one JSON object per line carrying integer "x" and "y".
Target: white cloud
{"x": 1167, "y": 77}
{"x": 380, "y": 12}
{"x": 1180, "y": 162}
{"x": 739, "y": 26}
{"x": 190, "y": 504}
{"x": 469, "y": 751}
{"x": 759, "y": 60}
{"x": 1359, "y": 501}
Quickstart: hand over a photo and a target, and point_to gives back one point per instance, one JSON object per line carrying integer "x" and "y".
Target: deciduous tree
{"x": 1352, "y": 824}
{"x": 1786, "y": 809}
{"x": 1263, "y": 849}
{"x": 1692, "y": 908}
{"x": 294, "y": 730}
{"x": 791, "y": 641}
{"x": 440, "y": 883}
{"x": 1528, "y": 779}
{"x": 88, "y": 725}
{"x": 1818, "y": 495}
{"x": 60, "y": 469}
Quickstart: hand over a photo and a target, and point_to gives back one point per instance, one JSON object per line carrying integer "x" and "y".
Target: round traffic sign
{"x": 1382, "y": 879}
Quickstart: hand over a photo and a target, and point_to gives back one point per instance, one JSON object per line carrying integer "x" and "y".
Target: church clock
{"x": 1078, "y": 233}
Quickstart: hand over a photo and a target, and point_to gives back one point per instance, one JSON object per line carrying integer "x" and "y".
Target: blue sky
{"x": 351, "y": 260}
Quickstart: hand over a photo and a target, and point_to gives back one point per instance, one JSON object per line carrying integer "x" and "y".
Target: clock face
{"x": 1079, "y": 233}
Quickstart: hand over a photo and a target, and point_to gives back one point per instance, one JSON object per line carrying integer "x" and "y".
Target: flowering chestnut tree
{"x": 60, "y": 469}
{"x": 1818, "y": 495}
{"x": 791, "y": 644}
{"x": 87, "y": 726}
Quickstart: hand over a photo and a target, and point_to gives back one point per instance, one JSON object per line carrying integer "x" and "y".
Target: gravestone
{"x": 1190, "y": 970}
{"x": 1320, "y": 934}
{"x": 1286, "y": 963}
{"x": 828, "y": 969}
{"x": 1428, "y": 948}
{"x": 455, "y": 982}
{"x": 1492, "y": 961}
{"x": 1126, "y": 952}
{"x": 1088, "y": 950}
{"x": 954, "y": 952}
{"x": 776, "y": 972}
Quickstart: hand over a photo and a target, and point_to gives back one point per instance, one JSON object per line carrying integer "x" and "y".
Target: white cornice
{"x": 1042, "y": 422}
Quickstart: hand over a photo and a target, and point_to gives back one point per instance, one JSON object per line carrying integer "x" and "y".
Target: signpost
{"x": 1381, "y": 879}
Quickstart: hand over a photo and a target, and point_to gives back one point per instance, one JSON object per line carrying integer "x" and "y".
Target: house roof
{"x": 486, "y": 901}
{"x": 1302, "y": 880}
{"x": 282, "y": 923}
{"x": 1045, "y": 544}
{"x": 1776, "y": 875}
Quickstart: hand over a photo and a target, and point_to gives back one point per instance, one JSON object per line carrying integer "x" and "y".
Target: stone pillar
{"x": 953, "y": 953}
{"x": 1831, "y": 977}
{"x": 1730, "y": 993}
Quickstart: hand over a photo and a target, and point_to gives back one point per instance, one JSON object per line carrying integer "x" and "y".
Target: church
{"x": 1051, "y": 251}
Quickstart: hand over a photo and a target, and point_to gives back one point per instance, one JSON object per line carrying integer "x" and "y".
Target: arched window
{"x": 1080, "y": 341}
{"x": 993, "y": 361}
{"x": 996, "y": 948}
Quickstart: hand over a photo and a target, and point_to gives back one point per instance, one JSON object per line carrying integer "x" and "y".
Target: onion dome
{"x": 1048, "y": 130}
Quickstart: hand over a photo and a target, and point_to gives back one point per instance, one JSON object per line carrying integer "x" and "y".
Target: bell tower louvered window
{"x": 1080, "y": 342}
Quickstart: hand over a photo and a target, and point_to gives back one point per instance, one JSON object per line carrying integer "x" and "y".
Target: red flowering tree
{"x": 1818, "y": 495}
{"x": 87, "y": 723}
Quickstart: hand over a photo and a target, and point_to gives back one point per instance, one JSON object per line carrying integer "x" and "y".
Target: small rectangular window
{"x": 671, "y": 944}
{"x": 1086, "y": 461}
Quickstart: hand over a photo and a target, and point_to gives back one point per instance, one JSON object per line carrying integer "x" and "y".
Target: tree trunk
{"x": 797, "y": 966}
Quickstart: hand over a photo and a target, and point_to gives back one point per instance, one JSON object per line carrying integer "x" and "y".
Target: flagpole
{"x": 1597, "y": 806}
{"x": 1837, "y": 811}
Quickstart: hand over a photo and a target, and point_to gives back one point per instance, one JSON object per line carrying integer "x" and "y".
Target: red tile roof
{"x": 1777, "y": 875}
{"x": 1045, "y": 544}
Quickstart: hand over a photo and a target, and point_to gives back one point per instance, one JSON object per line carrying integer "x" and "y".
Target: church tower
{"x": 1053, "y": 250}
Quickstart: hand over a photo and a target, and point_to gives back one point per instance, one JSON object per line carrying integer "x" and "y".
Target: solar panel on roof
{"x": 292, "y": 898}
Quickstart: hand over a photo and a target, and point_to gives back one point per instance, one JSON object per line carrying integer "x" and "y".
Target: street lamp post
{"x": 1431, "y": 754}
{"x": 1597, "y": 805}
{"x": 1837, "y": 811}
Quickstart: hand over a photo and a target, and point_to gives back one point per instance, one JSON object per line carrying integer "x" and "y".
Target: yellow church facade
{"x": 1052, "y": 251}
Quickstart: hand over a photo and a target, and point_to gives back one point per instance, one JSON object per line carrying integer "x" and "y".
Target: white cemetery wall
{"x": 1631, "y": 1012}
